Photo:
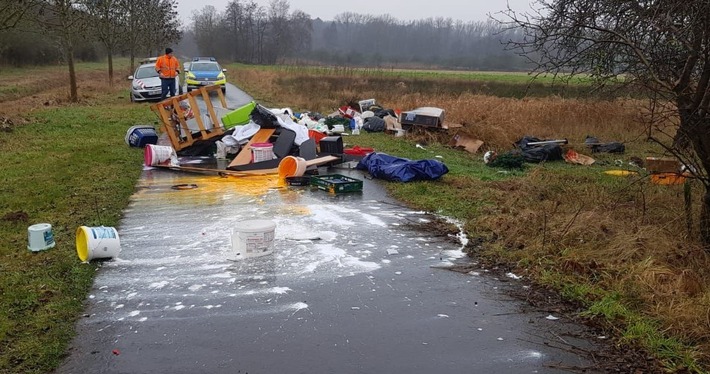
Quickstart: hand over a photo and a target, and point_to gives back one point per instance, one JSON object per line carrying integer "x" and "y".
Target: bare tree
{"x": 109, "y": 25}
{"x": 663, "y": 47}
{"x": 65, "y": 19}
{"x": 12, "y": 11}
{"x": 206, "y": 25}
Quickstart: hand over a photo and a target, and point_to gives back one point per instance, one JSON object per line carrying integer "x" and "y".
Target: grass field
{"x": 618, "y": 247}
{"x": 68, "y": 166}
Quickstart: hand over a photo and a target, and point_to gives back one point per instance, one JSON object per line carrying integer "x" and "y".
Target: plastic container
{"x": 238, "y": 116}
{"x": 157, "y": 154}
{"x": 141, "y": 135}
{"x": 97, "y": 242}
{"x": 253, "y": 238}
{"x": 336, "y": 183}
{"x": 40, "y": 237}
{"x": 298, "y": 181}
{"x": 292, "y": 166}
{"x": 262, "y": 152}
{"x": 331, "y": 145}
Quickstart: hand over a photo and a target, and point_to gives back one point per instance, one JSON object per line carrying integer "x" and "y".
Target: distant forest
{"x": 43, "y": 32}
{"x": 247, "y": 32}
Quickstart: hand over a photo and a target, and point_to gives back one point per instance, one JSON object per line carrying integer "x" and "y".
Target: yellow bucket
{"x": 97, "y": 242}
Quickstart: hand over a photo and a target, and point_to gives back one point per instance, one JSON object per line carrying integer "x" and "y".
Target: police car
{"x": 205, "y": 71}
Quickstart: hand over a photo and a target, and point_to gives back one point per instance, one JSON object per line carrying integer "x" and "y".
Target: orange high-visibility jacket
{"x": 167, "y": 66}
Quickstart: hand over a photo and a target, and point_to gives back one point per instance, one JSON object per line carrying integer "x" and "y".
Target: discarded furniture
{"x": 184, "y": 124}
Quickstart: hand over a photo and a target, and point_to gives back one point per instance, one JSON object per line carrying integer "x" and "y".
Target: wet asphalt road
{"x": 350, "y": 288}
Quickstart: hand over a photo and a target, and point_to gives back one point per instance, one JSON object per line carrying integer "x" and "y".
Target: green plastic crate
{"x": 336, "y": 183}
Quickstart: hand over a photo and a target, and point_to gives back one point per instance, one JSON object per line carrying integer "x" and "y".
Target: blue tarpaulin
{"x": 384, "y": 166}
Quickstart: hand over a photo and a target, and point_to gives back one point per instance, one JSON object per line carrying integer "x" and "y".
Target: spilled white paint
{"x": 182, "y": 263}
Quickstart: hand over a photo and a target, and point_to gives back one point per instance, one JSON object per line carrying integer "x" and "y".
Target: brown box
{"x": 662, "y": 165}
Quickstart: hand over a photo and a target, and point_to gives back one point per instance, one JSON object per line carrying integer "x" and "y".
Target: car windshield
{"x": 204, "y": 66}
{"x": 146, "y": 72}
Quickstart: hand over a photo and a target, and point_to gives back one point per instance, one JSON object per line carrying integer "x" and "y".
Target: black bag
{"x": 374, "y": 124}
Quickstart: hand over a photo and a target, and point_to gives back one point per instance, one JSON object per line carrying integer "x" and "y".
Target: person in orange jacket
{"x": 168, "y": 67}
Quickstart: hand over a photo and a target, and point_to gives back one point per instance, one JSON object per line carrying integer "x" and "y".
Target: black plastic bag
{"x": 538, "y": 153}
{"x": 374, "y": 124}
{"x": 264, "y": 118}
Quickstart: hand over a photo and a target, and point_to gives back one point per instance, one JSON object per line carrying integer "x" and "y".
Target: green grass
{"x": 69, "y": 167}
{"x": 482, "y": 76}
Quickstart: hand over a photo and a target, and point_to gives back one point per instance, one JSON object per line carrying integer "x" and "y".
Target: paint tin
{"x": 253, "y": 238}
{"x": 40, "y": 237}
{"x": 97, "y": 242}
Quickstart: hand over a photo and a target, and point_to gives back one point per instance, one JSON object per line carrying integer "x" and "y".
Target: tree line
{"x": 46, "y": 31}
{"x": 247, "y": 32}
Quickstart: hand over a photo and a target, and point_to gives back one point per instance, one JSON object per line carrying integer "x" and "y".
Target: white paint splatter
{"x": 280, "y": 290}
{"x": 513, "y": 276}
{"x": 299, "y": 306}
{"x": 442, "y": 315}
{"x": 143, "y": 319}
{"x": 195, "y": 287}
{"x": 551, "y": 318}
{"x": 158, "y": 285}
{"x": 179, "y": 307}
{"x": 134, "y": 313}
{"x": 119, "y": 306}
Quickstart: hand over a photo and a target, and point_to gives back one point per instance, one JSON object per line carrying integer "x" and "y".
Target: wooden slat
{"x": 244, "y": 156}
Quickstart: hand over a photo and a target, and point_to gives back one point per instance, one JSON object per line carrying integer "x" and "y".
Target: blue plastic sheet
{"x": 384, "y": 166}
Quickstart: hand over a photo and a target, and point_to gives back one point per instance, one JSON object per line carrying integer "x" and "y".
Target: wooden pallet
{"x": 173, "y": 121}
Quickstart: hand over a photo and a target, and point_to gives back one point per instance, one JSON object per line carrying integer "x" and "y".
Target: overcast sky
{"x": 466, "y": 10}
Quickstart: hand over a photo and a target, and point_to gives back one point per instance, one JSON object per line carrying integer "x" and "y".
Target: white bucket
{"x": 97, "y": 242}
{"x": 159, "y": 155}
{"x": 262, "y": 152}
{"x": 253, "y": 238}
{"x": 40, "y": 237}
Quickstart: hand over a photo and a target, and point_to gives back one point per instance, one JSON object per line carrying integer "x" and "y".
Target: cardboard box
{"x": 662, "y": 165}
{"x": 471, "y": 145}
{"x": 425, "y": 116}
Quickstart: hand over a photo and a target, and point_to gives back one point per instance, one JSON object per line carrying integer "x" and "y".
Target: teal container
{"x": 239, "y": 116}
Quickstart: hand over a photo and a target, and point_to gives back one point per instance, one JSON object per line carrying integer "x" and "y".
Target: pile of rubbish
{"x": 254, "y": 139}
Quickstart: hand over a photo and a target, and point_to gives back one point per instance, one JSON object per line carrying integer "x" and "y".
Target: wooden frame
{"x": 172, "y": 117}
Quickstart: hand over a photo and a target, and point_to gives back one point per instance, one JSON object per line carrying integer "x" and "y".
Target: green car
{"x": 204, "y": 71}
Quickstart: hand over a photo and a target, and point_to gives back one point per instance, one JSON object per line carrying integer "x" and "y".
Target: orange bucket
{"x": 291, "y": 166}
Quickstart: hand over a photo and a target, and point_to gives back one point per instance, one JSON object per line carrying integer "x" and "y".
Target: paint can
{"x": 291, "y": 166}
{"x": 158, "y": 154}
{"x": 40, "y": 237}
{"x": 253, "y": 238}
{"x": 97, "y": 242}
{"x": 262, "y": 152}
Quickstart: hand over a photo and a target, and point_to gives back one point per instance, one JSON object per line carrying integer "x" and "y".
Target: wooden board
{"x": 244, "y": 156}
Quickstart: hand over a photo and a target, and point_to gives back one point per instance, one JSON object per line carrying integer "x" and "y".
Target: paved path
{"x": 366, "y": 297}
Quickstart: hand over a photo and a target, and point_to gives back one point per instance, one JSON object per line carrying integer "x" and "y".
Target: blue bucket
{"x": 141, "y": 135}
